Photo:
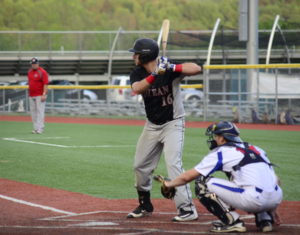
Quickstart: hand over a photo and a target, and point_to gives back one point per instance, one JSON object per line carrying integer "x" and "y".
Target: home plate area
{"x": 33, "y": 209}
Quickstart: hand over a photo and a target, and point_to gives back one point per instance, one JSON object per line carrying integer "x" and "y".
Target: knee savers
{"x": 211, "y": 202}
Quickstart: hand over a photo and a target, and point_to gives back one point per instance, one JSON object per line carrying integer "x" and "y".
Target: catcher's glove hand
{"x": 167, "y": 192}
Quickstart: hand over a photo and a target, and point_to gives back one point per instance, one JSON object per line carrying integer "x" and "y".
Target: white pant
{"x": 249, "y": 199}
{"x": 37, "y": 111}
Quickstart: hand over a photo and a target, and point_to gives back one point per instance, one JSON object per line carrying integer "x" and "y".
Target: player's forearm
{"x": 183, "y": 179}
{"x": 45, "y": 91}
{"x": 191, "y": 69}
{"x": 141, "y": 86}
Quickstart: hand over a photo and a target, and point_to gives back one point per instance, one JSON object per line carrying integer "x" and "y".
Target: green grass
{"x": 107, "y": 172}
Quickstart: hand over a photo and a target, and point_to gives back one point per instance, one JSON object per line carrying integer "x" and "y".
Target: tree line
{"x": 138, "y": 14}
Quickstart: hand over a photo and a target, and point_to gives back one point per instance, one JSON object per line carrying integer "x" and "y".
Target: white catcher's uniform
{"x": 253, "y": 188}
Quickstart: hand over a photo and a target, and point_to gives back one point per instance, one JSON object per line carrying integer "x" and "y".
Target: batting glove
{"x": 167, "y": 62}
{"x": 164, "y": 60}
{"x": 160, "y": 68}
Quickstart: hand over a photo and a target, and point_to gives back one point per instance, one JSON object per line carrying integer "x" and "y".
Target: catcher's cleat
{"x": 185, "y": 216}
{"x": 265, "y": 226}
{"x": 140, "y": 212}
{"x": 237, "y": 226}
{"x": 217, "y": 223}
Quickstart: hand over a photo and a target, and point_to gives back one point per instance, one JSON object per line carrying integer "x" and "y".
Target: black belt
{"x": 259, "y": 190}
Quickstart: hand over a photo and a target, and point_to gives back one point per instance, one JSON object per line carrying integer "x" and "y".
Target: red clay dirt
{"x": 75, "y": 213}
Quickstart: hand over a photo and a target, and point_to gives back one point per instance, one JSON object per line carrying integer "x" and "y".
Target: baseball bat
{"x": 165, "y": 35}
{"x": 159, "y": 37}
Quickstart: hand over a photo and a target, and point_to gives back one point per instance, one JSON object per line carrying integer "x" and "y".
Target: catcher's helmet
{"x": 226, "y": 129}
{"x": 146, "y": 48}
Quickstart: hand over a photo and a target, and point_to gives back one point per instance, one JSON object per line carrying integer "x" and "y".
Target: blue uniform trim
{"x": 240, "y": 190}
{"x": 237, "y": 190}
{"x": 219, "y": 164}
{"x": 259, "y": 190}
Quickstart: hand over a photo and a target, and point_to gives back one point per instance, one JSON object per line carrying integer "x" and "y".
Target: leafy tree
{"x": 138, "y": 14}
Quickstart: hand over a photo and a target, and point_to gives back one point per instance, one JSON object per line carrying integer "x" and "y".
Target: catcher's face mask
{"x": 226, "y": 129}
{"x": 211, "y": 143}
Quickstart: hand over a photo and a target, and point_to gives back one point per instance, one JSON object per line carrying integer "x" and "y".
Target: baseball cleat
{"x": 185, "y": 216}
{"x": 266, "y": 226}
{"x": 140, "y": 212}
{"x": 217, "y": 223}
{"x": 237, "y": 226}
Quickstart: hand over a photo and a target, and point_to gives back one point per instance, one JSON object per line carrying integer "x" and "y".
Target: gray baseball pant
{"x": 37, "y": 111}
{"x": 169, "y": 139}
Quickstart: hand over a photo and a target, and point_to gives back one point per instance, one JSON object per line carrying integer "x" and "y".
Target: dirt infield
{"x": 102, "y": 121}
{"x": 33, "y": 209}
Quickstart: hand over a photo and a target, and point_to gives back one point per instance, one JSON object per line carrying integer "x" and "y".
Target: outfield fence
{"x": 240, "y": 93}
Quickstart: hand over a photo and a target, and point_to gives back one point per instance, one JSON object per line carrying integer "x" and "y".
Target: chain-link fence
{"x": 55, "y": 42}
{"x": 253, "y": 93}
{"x": 240, "y": 93}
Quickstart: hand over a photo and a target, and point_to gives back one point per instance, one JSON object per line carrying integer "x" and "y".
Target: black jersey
{"x": 162, "y": 100}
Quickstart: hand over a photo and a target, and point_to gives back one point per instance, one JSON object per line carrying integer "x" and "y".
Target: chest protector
{"x": 251, "y": 155}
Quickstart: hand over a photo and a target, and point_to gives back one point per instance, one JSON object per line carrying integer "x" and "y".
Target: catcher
{"x": 253, "y": 186}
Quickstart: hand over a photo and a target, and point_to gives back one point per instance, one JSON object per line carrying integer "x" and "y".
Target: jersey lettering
{"x": 160, "y": 91}
{"x": 167, "y": 100}
{"x": 159, "y": 99}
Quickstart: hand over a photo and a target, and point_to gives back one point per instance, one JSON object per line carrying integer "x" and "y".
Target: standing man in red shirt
{"x": 38, "y": 89}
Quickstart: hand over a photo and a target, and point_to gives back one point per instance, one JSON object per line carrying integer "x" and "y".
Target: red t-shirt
{"x": 36, "y": 80}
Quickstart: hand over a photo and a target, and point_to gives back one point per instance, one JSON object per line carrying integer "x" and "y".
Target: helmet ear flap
{"x": 144, "y": 58}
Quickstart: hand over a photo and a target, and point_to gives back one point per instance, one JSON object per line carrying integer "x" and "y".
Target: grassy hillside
{"x": 138, "y": 15}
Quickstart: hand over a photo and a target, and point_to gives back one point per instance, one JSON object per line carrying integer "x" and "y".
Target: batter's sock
{"x": 144, "y": 200}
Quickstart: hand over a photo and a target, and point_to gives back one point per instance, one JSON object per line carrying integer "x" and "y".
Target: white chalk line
{"x": 126, "y": 212}
{"x": 67, "y": 146}
{"x": 108, "y": 212}
{"x": 101, "y": 146}
{"x": 34, "y": 142}
{"x": 93, "y": 223}
{"x": 39, "y": 137}
{"x": 36, "y": 205}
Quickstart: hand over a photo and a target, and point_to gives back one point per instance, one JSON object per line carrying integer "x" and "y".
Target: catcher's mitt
{"x": 167, "y": 192}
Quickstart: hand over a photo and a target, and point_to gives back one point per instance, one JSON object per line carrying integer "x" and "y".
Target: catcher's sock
{"x": 185, "y": 216}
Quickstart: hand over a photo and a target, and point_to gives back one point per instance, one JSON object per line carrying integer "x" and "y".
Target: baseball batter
{"x": 253, "y": 185}
{"x": 159, "y": 83}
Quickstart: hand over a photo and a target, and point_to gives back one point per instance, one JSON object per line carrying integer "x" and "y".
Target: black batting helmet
{"x": 147, "y": 49}
{"x": 226, "y": 129}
